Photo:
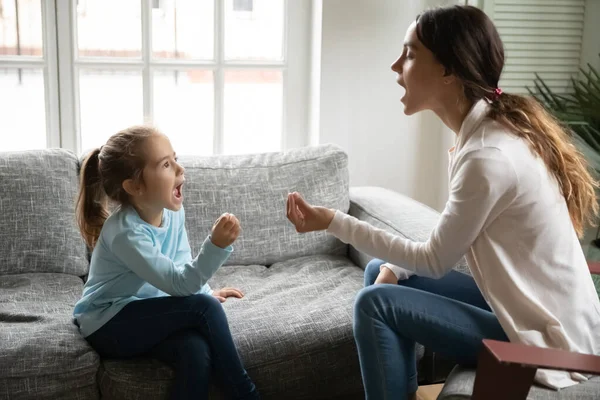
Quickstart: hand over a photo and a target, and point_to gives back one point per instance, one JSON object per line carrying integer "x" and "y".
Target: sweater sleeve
{"x": 484, "y": 184}
{"x": 401, "y": 273}
{"x": 136, "y": 250}
{"x": 184, "y": 251}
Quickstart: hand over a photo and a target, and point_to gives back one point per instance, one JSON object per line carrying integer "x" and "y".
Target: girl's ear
{"x": 132, "y": 188}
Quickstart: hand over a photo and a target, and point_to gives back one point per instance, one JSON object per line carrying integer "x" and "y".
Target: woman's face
{"x": 420, "y": 74}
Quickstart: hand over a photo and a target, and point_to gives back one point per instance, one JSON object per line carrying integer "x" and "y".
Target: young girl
{"x": 520, "y": 195}
{"x": 145, "y": 293}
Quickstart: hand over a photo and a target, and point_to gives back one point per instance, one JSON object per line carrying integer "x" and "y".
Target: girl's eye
{"x": 166, "y": 165}
{"x": 176, "y": 159}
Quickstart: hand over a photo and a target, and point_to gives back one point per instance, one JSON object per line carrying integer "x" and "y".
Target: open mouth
{"x": 177, "y": 191}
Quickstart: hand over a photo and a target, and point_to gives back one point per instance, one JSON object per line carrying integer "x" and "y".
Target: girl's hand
{"x": 224, "y": 293}
{"x": 307, "y": 218}
{"x": 386, "y": 276}
{"x": 225, "y": 230}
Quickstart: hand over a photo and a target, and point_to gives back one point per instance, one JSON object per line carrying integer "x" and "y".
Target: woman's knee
{"x": 365, "y": 306}
{"x": 372, "y": 271}
{"x": 366, "y": 301}
{"x": 376, "y": 301}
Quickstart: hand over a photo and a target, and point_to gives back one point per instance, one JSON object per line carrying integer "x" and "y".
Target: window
{"x": 539, "y": 36}
{"x": 214, "y": 75}
{"x": 242, "y": 5}
{"x": 27, "y": 78}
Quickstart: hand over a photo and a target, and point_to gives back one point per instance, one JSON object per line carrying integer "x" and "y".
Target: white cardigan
{"x": 506, "y": 214}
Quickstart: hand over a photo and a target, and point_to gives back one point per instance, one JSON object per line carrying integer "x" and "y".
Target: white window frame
{"x": 65, "y": 109}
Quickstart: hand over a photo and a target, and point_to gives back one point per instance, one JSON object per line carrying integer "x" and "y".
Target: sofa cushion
{"x": 42, "y": 354}
{"x": 293, "y": 330}
{"x": 255, "y": 188}
{"x": 37, "y": 213}
{"x": 459, "y": 386}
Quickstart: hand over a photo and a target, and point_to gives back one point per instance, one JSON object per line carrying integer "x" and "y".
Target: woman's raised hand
{"x": 307, "y": 218}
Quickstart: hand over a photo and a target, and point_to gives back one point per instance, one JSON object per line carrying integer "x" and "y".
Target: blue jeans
{"x": 447, "y": 315}
{"x": 189, "y": 333}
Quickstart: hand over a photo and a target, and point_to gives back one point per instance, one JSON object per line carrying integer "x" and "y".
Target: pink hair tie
{"x": 497, "y": 93}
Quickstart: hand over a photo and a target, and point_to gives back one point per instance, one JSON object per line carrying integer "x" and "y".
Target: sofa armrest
{"x": 514, "y": 353}
{"x": 594, "y": 267}
{"x": 507, "y": 370}
{"x": 395, "y": 213}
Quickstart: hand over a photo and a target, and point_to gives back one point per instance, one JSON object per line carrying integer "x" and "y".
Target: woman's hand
{"x": 224, "y": 293}
{"x": 386, "y": 276}
{"x": 307, "y": 218}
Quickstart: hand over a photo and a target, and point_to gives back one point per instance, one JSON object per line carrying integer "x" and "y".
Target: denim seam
{"x": 379, "y": 362}
{"x": 438, "y": 321}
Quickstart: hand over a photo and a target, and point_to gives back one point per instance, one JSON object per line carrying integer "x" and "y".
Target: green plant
{"x": 580, "y": 109}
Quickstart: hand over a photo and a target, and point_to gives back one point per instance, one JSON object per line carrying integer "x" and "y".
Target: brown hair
{"x": 465, "y": 41}
{"x": 102, "y": 175}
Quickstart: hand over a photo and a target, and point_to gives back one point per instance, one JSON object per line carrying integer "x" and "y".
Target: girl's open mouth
{"x": 177, "y": 191}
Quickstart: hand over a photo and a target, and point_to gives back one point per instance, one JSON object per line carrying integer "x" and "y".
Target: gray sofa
{"x": 294, "y": 327}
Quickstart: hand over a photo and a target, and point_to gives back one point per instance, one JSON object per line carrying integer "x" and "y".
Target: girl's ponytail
{"x": 92, "y": 201}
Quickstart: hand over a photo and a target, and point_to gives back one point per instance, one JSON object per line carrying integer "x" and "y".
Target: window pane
{"x": 109, "y": 101}
{"x": 22, "y": 110}
{"x": 183, "y": 29}
{"x": 184, "y": 109}
{"x": 27, "y": 17}
{"x": 256, "y": 34}
{"x": 109, "y": 28}
{"x": 253, "y": 111}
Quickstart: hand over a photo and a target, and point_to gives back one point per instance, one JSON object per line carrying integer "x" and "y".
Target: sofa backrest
{"x": 255, "y": 189}
{"x": 38, "y": 231}
{"x": 38, "y": 190}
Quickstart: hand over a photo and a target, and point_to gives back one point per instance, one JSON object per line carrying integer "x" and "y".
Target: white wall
{"x": 360, "y": 107}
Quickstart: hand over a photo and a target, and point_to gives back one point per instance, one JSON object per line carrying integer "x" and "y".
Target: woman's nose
{"x": 397, "y": 66}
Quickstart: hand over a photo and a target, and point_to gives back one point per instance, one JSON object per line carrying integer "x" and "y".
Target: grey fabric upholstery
{"x": 255, "y": 189}
{"x": 42, "y": 354}
{"x": 37, "y": 213}
{"x": 293, "y": 331}
{"x": 459, "y": 386}
{"x": 396, "y": 214}
{"x": 294, "y": 327}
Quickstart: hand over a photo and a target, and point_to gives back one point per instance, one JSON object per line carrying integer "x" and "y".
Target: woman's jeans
{"x": 447, "y": 315}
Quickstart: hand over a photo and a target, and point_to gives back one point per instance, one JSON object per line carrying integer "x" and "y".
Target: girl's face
{"x": 163, "y": 177}
{"x": 420, "y": 74}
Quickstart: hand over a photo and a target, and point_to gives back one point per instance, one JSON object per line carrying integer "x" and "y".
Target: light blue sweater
{"x": 134, "y": 260}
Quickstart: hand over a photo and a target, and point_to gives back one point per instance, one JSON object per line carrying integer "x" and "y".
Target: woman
{"x": 520, "y": 195}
